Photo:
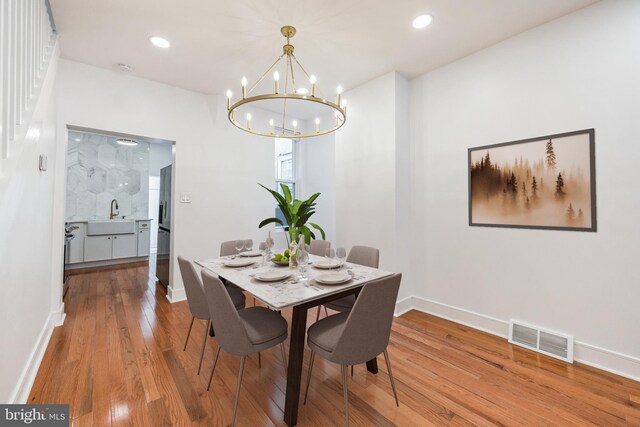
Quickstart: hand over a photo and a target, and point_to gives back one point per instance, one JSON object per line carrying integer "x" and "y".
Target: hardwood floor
{"x": 118, "y": 360}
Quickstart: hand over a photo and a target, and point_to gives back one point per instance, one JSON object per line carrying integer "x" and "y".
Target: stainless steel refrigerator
{"x": 164, "y": 227}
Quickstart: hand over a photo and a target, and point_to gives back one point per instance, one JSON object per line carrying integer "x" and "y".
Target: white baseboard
{"x": 589, "y": 354}
{"x": 607, "y": 360}
{"x": 23, "y": 387}
{"x": 403, "y": 306}
{"x": 469, "y": 318}
{"x": 176, "y": 295}
{"x": 58, "y": 316}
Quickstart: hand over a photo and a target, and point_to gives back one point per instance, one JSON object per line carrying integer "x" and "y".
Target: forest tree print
{"x": 544, "y": 182}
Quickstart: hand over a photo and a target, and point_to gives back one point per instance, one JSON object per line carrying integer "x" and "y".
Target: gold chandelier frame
{"x": 278, "y": 130}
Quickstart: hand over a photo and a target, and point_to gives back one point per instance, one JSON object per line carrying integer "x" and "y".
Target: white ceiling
{"x": 348, "y": 42}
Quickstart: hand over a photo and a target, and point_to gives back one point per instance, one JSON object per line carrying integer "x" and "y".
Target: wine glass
{"x": 239, "y": 245}
{"x": 341, "y": 254}
{"x": 330, "y": 254}
{"x": 264, "y": 248}
{"x": 248, "y": 244}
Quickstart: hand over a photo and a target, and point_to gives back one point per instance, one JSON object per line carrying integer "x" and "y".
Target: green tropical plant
{"x": 296, "y": 213}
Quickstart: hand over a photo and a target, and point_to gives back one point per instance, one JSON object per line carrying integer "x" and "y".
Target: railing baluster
{"x": 26, "y": 42}
{"x": 3, "y": 60}
{"x": 28, "y": 45}
{"x": 37, "y": 35}
{"x": 20, "y": 105}
{"x": 13, "y": 56}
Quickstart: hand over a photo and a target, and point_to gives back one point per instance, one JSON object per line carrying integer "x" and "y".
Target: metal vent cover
{"x": 543, "y": 341}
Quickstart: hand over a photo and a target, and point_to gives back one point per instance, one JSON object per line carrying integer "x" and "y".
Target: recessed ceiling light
{"x": 302, "y": 91}
{"x": 160, "y": 42}
{"x": 422, "y": 21}
{"x": 127, "y": 141}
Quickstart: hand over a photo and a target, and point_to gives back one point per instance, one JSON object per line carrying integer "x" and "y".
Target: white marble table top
{"x": 291, "y": 291}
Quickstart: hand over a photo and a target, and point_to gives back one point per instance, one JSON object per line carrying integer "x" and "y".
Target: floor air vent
{"x": 541, "y": 340}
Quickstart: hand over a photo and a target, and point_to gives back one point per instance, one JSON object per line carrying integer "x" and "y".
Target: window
{"x": 285, "y": 167}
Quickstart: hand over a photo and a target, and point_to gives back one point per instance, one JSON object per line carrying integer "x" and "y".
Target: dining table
{"x": 297, "y": 291}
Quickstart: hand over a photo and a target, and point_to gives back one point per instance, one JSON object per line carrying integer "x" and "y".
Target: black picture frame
{"x": 505, "y": 194}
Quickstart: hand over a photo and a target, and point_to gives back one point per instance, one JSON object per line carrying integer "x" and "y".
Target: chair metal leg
{"x": 318, "y": 315}
{"x": 204, "y": 343}
{"x": 345, "y": 394}
{"x": 188, "y": 333}
{"x": 393, "y": 386}
{"x": 351, "y": 370}
{"x": 284, "y": 358}
{"x": 306, "y": 391}
{"x": 259, "y": 361}
{"x": 215, "y": 362}
{"x": 235, "y": 405}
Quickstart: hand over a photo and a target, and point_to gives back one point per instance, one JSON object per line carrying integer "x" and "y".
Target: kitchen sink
{"x": 111, "y": 226}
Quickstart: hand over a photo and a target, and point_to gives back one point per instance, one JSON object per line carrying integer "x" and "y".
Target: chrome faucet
{"x": 113, "y": 214}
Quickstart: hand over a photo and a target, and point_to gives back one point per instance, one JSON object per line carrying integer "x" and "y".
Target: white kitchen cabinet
{"x": 97, "y": 248}
{"x": 124, "y": 246}
{"x": 144, "y": 242}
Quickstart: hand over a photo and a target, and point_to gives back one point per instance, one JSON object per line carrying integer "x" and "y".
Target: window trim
{"x": 294, "y": 168}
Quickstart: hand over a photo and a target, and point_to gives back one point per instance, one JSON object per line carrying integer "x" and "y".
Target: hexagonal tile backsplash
{"x": 100, "y": 170}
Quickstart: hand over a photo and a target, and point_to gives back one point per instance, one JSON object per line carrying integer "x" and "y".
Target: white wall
{"x": 160, "y": 156}
{"x": 373, "y": 189}
{"x": 580, "y": 71}
{"x": 28, "y": 307}
{"x": 317, "y": 175}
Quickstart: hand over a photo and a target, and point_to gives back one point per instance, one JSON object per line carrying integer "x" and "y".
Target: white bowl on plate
{"x": 250, "y": 253}
{"x": 238, "y": 262}
{"x": 333, "y": 278}
{"x": 272, "y": 275}
{"x": 327, "y": 264}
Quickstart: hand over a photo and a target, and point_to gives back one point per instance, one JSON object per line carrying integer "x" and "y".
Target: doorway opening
{"x": 117, "y": 202}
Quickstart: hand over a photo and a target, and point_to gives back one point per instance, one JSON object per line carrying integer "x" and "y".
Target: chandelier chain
{"x": 265, "y": 74}
{"x": 305, "y": 72}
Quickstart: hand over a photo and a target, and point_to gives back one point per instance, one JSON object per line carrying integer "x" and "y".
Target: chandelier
{"x": 272, "y": 116}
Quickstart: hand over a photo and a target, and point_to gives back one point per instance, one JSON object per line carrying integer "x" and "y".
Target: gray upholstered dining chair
{"x": 318, "y": 247}
{"x": 357, "y": 336}
{"x": 197, "y": 302}
{"x": 229, "y": 247}
{"x": 362, "y": 255}
{"x": 243, "y": 332}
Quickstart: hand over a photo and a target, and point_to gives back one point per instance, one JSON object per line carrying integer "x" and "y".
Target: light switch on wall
{"x": 42, "y": 162}
{"x": 185, "y": 198}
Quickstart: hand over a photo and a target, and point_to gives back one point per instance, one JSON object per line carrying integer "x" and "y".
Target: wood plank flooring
{"x": 118, "y": 360}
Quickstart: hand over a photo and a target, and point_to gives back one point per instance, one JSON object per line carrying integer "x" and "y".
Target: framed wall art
{"x": 546, "y": 182}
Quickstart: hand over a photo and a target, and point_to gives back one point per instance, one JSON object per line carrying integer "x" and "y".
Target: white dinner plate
{"x": 238, "y": 262}
{"x": 333, "y": 278}
{"x": 250, "y": 253}
{"x": 327, "y": 264}
{"x": 271, "y": 275}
